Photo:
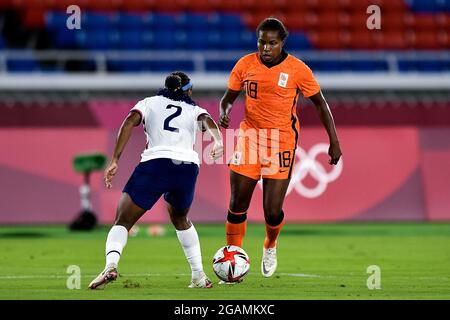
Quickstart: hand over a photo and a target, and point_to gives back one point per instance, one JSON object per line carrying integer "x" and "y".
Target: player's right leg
{"x": 242, "y": 188}
{"x": 128, "y": 213}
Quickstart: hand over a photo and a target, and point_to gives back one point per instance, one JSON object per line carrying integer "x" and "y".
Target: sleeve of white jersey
{"x": 140, "y": 108}
{"x": 198, "y": 112}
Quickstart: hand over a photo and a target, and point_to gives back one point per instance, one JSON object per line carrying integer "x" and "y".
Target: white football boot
{"x": 202, "y": 282}
{"x": 269, "y": 262}
{"x": 108, "y": 275}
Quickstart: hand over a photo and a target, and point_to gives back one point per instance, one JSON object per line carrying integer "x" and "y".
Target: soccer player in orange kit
{"x": 272, "y": 80}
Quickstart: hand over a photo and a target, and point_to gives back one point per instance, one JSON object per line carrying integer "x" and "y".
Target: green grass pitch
{"x": 327, "y": 261}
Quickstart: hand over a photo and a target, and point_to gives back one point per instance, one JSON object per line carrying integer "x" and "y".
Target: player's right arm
{"x": 235, "y": 85}
{"x": 226, "y": 104}
{"x": 126, "y": 129}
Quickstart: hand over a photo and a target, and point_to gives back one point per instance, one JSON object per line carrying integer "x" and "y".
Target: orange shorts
{"x": 269, "y": 153}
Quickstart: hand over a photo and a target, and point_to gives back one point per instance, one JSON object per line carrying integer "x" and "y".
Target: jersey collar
{"x": 284, "y": 55}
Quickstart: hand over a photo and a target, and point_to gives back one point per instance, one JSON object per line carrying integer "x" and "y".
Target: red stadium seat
{"x": 295, "y": 21}
{"x": 32, "y": 4}
{"x": 422, "y": 22}
{"x": 199, "y": 6}
{"x": 323, "y": 5}
{"x": 103, "y": 5}
{"x": 358, "y": 21}
{"x": 427, "y": 40}
{"x": 390, "y": 5}
{"x": 63, "y": 4}
{"x": 137, "y": 5}
{"x": 328, "y": 20}
{"x": 328, "y": 40}
{"x": 252, "y": 20}
{"x": 357, "y": 5}
{"x": 34, "y": 18}
{"x": 393, "y": 22}
{"x": 393, "y": 40}
{"x": 4, "y": 4}
{"x": 363, "y": 40}
{"x": 444, "y": 39}
{"x": 295, "y": 5}
{"x": 228, "y": 6}
{"x": 169, "y": 6}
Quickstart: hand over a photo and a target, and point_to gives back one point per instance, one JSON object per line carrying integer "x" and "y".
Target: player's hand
{"x": 224, "y": 120}
{"x": 335, "y": 153}
{"x": 217, "y": 151}
{"x": 110, "y": 172}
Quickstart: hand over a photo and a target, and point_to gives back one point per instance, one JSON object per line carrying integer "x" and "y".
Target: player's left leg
{"x": 274, "y": 191}
{"x": 188, "y": 237}
{"x": 179, "y": 200}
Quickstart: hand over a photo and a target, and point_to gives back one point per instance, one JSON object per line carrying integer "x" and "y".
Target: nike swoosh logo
{"x": 264, "y": 269}
{"x": 281, "y": 171}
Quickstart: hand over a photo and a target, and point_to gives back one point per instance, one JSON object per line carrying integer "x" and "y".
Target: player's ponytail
{"x": 173, "y": 82}
{"x": 177, "y": 87}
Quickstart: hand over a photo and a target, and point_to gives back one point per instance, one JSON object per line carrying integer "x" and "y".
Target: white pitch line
{"x": 302, "y": 275}
{"x": 91, "y": 275}
{"x": 16, "y": 277}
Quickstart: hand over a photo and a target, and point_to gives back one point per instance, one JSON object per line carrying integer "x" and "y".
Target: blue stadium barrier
{"x": 197, "y": 40}
{"x": 164, "y": 22}
{"x": 22, "y": 65}
{"x": 220, "y": 66}
{"x": 193, "y": 21}
{"x": 298, "y": 41}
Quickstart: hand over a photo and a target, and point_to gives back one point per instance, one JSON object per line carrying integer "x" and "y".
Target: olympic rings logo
{"x": 308, "y": 164}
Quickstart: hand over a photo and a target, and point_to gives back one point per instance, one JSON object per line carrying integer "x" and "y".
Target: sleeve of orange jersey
{"x": 236, "y": 79}
{"x": 306, "y": 81}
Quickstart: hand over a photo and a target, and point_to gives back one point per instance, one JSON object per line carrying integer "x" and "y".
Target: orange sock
{"x": 271, "y": 235}
{"x": 236, "y": 231}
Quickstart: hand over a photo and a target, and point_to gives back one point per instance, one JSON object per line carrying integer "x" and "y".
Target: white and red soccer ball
{"x": 231, "y": 263}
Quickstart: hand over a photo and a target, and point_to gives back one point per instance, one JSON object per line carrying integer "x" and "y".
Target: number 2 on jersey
{"x": 171, "y": 117}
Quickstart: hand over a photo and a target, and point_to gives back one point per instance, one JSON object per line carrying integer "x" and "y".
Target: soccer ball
{"x": 231, "y": 263}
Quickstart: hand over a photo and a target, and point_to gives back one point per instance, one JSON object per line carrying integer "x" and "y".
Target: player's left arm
{"x": 132, "y": 120}
{"x": 211, "y": 126}
{"x": 327, "y": 120}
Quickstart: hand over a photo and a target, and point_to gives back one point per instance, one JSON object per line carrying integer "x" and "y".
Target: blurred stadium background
{"x": 65, "y": 92}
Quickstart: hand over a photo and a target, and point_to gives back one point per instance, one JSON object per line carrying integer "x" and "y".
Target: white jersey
{"x": 170, "y": 127}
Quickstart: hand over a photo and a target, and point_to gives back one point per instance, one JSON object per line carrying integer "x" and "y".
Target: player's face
{"x": 269, "y": 46}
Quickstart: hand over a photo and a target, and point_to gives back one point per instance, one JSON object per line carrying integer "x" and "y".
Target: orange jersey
{"x": 271, "y": 93}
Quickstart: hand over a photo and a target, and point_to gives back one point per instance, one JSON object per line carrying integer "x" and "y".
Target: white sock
{"x": 191, "y": 246}
{"x": 116, "y": 241}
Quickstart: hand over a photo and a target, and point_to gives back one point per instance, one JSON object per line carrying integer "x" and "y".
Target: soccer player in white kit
{"x": 169, "y": 167}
